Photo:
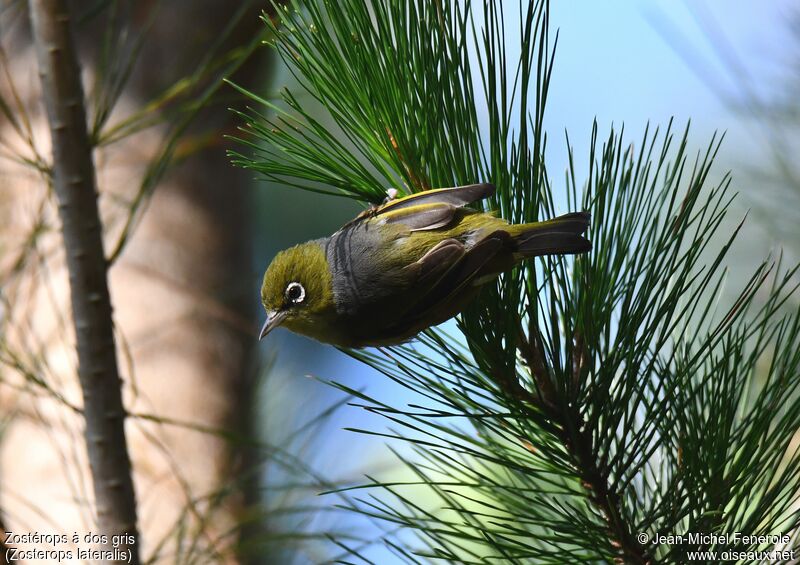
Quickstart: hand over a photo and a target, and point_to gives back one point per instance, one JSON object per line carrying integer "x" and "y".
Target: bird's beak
{"x": 274, "y": 319}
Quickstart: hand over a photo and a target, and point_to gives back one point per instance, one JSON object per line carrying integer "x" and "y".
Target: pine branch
{"x": 74, "y": 182}
{"x": 585, "y": 401}
{"x": 576, "y": 436}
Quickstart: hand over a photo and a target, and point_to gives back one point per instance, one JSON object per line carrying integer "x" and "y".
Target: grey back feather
{"x": 359, "y": 273}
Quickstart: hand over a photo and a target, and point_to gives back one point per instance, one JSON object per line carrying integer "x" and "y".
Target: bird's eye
{"x": 295, "y": 293}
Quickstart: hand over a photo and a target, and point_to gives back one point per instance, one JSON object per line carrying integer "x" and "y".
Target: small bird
{"x": 406, "y": 265}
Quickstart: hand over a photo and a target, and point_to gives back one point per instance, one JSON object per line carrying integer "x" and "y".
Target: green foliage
{"x": 588, "y": 400}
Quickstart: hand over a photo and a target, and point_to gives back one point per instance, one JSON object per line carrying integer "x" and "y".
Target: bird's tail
{"x": 559, "y": 236}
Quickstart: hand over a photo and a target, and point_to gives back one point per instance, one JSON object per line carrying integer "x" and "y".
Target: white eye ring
{"x": 295, "y": 293}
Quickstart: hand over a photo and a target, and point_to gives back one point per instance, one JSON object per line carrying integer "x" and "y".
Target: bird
{"x": 403, "y": 266}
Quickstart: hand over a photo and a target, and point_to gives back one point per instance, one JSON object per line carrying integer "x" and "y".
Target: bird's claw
{"x": 391, "y": 194}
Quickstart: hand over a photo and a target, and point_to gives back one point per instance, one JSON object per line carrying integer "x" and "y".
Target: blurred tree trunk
{"x": 181, "y": 292}
{"x": 82, "y": 234}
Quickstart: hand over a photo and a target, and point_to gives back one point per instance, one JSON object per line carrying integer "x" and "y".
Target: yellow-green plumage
{"x": 404, "y": 266}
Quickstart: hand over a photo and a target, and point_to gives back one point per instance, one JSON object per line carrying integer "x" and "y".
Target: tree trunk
{"x": 74, "y": 182}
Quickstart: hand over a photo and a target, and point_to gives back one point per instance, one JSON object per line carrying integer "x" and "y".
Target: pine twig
{"x": 532, "y": 354}
{"x": 74, "y": 182}
{"x": 578, "y": 440}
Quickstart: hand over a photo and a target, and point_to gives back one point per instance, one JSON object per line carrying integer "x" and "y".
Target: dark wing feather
{"x": 450, "y": 285}
{"x": 458, "y": 196}
{"x": 473, "y": 265}
{"x": 431, "y": 267}
{"x": 428, "y": 216}
{"x": 427, "y": 210}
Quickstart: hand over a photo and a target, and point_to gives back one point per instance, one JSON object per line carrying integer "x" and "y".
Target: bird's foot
{"x": 391, "y": 194}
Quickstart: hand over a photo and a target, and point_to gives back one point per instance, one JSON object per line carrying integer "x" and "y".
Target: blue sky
{"x": 638, "y": 61}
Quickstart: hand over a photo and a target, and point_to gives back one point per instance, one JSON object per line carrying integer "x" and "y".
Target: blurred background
{"x": 254, "y": 427}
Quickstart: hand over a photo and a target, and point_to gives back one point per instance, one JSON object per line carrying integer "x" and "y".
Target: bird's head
{"x": 297, "y": 289}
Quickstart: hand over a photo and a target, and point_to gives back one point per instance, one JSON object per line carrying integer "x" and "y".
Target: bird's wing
{"x": 427, "y": 210}
{"x": 446, "y": 276}
{"x": 457, "y": 196}
{"x": 464, "y": 270}
{"x": 420, "y": 217}
{"x": 431, "y": 267}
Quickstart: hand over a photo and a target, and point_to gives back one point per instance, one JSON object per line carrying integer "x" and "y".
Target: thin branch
{"x": 74, "y": 182}
{"x": 577, "y": 438}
